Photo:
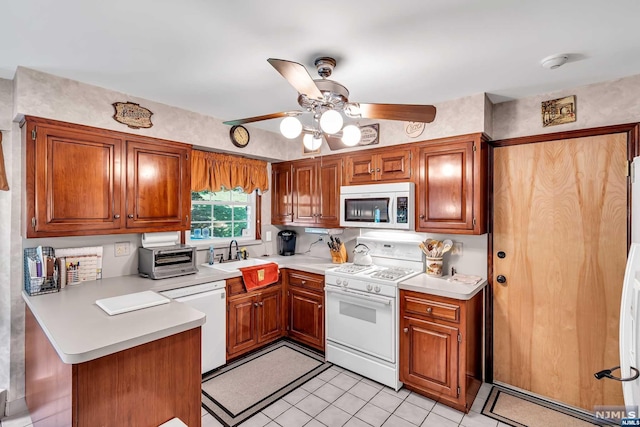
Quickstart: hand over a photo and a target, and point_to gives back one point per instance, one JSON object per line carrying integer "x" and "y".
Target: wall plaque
{"x": 559, "y": 111}
{"x": 413, "y": 129}
{"x": 370, "y": 134}
{"x": 132, "y": 115}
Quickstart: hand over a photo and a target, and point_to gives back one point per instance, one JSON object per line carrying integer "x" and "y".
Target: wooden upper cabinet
{"x": 158, "y": 185}
{"x": 307, "y": 192}
{"x": 387, "y": 165}
{"x": 281, "y": 193}
{"x": 73, "y": 181}
{"x": 451, "y": 193}
{"x": 86, "y": 181}
{"x": 305, "y": 186}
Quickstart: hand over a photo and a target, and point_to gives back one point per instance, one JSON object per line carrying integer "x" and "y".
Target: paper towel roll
{"x": 154, "y": 240}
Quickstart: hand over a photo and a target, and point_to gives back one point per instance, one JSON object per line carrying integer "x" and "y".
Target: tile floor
{"x": 338, "y": 397}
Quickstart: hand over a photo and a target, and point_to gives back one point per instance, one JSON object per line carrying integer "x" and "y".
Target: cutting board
{"x": 131, "y": 302}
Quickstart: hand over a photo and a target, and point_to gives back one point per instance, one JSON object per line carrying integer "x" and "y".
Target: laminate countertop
{"x": 80, "y": 331}
{"x": 442, "y": 287}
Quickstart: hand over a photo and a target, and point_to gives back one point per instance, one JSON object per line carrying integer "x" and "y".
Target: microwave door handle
{"x": 392, "y": 207}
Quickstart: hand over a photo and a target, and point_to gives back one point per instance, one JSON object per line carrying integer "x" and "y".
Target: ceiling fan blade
{"x": 405, "y": 112}
{"x": 297, "y": 76}
{"x": 334, "y": 142}
{"x": 260, "y": 118}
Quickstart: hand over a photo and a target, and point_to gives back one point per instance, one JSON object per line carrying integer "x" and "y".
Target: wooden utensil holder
{"x": 339, "y": 257}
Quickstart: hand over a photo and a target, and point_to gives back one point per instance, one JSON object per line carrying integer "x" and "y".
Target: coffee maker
{"x": 287, "y": 242}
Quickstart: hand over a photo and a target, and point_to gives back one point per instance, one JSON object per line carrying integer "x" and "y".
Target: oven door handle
{"x": 356, "y": 295}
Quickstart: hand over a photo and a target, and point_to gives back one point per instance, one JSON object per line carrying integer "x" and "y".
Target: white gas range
{"x": 362, "y": 308}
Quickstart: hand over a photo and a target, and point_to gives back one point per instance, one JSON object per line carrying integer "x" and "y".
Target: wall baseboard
{"x": 16, "y": 407}
{"x": 3, "y": 402}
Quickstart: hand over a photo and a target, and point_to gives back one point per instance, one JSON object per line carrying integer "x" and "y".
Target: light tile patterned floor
{"x": 338, "y": 397}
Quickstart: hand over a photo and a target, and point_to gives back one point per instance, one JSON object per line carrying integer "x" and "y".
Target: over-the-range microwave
{"x": 378, "y": 206}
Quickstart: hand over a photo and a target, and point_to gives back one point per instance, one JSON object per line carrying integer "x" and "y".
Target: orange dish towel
{"x": 259, "y": 276}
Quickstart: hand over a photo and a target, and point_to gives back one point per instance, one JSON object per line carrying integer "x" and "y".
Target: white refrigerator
{"x": 630, "y": 302}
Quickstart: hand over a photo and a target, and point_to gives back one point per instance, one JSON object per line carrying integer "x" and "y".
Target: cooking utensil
{"x": 447, "y": 245}
{"x": 361, "y": 255}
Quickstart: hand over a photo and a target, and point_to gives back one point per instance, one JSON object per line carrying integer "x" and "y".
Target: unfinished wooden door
{"x": 560, "y": 221}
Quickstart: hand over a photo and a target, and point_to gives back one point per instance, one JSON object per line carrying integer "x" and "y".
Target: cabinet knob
{"x": 116, "y": 216}
{"x": 422, "y": 216}
{"x": 406, "y": 330}
{"x": 429, "y": 309}
{"x": 255, "y": 304}
{"x": 378, "y": 170}
{"x": 130, "y": 215}
{"x": 371, "y": 170}
{"x": 261, "y": 303}
{"x": 319, "y": 306}
{"x": 501, "y": 279}
{"x": 303, "y": 282}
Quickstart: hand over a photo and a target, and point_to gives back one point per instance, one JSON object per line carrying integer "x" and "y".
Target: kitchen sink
{"x": 231, "y": 266}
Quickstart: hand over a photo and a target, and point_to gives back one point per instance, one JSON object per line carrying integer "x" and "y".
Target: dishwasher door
{"x": 214, "y": 332}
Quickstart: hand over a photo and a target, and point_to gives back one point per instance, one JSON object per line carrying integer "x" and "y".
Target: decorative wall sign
{"x": 413, "y": 129}
{"x": 559, "y": 111}
{"x": 132, "y": 115}
{"x": 370, "y": 134}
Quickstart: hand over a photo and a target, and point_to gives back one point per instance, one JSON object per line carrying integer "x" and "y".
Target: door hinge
{"x": 474, "y": 221}
{"x": 458, "y": 391}
{"x": 33, "y": 134}
{"x": 186, "y": 218}
{"x": 287, "y": 327}
{"x": 459, "y": 337}
{"x": 33, "y": 222}
{"x": 474, "y": 147}
{"x": 186, "y": 156}
{"x": 629, "y": 170}
{"x": 288, "y": 293}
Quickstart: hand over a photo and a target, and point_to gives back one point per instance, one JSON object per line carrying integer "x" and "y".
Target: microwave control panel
{"x": 402, "y": 210}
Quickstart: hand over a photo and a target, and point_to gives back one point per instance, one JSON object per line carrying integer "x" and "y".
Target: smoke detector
{"x": 554, "y": 61}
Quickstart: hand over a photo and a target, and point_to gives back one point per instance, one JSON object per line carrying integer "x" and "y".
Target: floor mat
{"x": 242, "y": 388}
{"x": 521, "y": 410}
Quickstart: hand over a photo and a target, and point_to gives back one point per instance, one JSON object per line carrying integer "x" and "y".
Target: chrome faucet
{"x": 230, "y": 245}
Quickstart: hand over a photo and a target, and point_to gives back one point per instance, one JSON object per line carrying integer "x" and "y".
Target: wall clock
{"x": 239, "y": 136}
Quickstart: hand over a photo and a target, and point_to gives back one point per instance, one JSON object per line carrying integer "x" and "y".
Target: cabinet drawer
{"x": 432, "y": 309}
{"x": 306, "y": 280}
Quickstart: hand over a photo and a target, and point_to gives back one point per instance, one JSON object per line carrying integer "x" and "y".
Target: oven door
{"x": 362, "y": 322}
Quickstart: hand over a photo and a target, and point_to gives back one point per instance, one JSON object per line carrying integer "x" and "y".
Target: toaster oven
{"x": 167, "y": 261}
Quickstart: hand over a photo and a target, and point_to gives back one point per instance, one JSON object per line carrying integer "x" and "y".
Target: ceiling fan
{"x": 326, "y": 99}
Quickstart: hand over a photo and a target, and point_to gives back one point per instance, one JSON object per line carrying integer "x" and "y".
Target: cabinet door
{"x": 306, "y": 317}
{"x": 429, "y": 356}
{"x": 445, "y": 189}
{"x": 281, "y": 204}
{"x": 270, "y": 314}
{"x": 241, "y": 324}
{"x": 393, "y": 165}
{"x": 328, "y": 203}
{"x": 158, "y": 186}
{"x": 304, "y": 192}
{"x": 360, "y": 169}
{"x": 73, "y": 181}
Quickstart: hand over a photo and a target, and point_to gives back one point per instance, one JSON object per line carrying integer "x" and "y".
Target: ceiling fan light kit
{"x": 327, "y": 100}
{"x": 290, "y": 127}
{"x": 311, "y": 141}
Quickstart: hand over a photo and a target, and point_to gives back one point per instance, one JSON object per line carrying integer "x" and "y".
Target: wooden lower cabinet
{"x": 146, "y": 385}
{"x": 305, "y": 308}
{"x": 440, "y": 347}
{"x": 253, "y": 318}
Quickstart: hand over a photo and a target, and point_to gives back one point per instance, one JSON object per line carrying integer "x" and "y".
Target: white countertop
{"x": 440, "y": 286}
{"x": 80, "y": 331}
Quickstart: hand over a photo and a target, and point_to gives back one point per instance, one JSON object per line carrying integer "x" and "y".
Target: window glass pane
{"x": 238, "y": 227}
{"x": 201, "y": 212}
{"x": 240, "y": 213}
{"x": 221, "y": 196}
{"x": 239, "y": 196}
{"x": 222, "y": 212}
{"x": 200, "y": 195}
{"x": 222, "y": 229}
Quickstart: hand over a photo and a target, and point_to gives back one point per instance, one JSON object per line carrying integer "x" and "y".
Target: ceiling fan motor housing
{"x": 324, "y": 66}
{"x": 335, "y": 96}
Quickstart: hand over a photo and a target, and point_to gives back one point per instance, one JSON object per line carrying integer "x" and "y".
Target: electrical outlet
{"x": 267, "y": 236}
{"x": 121, "y": 249}
{"x": 457, "y": 248}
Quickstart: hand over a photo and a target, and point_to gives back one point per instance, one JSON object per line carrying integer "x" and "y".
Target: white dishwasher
{"x": 209, "y": 298}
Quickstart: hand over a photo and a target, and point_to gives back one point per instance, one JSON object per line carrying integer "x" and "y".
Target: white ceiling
{"x": 211, "y": 56}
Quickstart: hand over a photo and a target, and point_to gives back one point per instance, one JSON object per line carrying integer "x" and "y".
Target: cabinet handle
{"x": 371, "y": 170}
{"x": 406, "y": 330}
{"x": 429, "y": 309}
{"x": 116, "y": 216}
{"x": 303, "y": 282}
{"x": 260, "y": 303}
{"x": 130, "y": 215}
{"x": 319, "y": 306}
{"x": 378, "y": 170}
{"x": 422, "y": 216}
{"x": 255, "y": 304}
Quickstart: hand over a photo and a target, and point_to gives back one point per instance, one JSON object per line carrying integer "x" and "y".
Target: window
{"x": 222, "y": 216}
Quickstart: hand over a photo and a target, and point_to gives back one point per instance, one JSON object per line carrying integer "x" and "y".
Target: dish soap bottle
{"x": 376, "y": 214}
{"x": 211, "y": 257}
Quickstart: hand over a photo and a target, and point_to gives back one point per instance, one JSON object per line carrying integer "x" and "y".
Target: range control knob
{"x": 338, "y": 282}
{"x": 345, "y": 283}
{"x": 377, "y": 288}
{"x": 369, "y": 287}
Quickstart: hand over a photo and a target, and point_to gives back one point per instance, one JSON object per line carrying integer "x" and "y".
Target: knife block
{"x": 339, "y": 257}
